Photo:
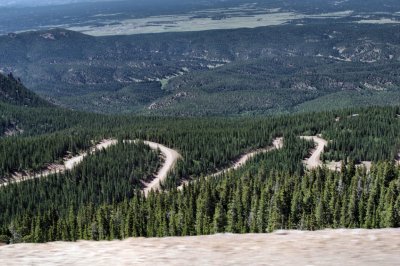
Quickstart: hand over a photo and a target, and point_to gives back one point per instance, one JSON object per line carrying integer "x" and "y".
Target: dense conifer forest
{"x": 102, "y": 199}
{"x": 369, "y": 134}
{"x": 240, "y": 202}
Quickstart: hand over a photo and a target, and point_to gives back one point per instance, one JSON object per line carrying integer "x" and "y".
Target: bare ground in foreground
{"x": 327, "y": 247}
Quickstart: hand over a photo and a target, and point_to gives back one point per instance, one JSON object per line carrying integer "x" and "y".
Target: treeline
{"x": 237, "y": 203}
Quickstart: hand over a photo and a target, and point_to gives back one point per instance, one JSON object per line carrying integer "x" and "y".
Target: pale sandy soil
{"x": 276, "y": 145}
{"x": 327, "y": 247}
{"x": 336, "y": 166}
{"x": 13, "y": 132}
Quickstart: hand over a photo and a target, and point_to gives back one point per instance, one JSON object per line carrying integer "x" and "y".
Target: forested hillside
{"x": 102, "y": 198}
{"x": 277, "y": 84}
{"x": 22, "y": 112}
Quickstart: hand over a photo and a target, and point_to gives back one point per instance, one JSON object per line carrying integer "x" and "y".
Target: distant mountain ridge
{"x": 265, "y": 70}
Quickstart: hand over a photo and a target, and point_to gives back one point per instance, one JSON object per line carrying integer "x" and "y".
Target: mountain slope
{"x": 13, "y": 92}
{"x": 23, "y": 111}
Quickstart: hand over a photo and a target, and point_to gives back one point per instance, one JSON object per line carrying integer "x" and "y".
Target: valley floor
{"x": 327, "y": 247}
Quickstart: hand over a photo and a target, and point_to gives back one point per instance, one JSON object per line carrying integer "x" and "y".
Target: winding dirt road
{"x": 314, "y": 160}
{"x": 69, "y": 163}
{"x": 171, "y": 157}
{"x": 74, "y": 161}
{"x": 327, "y": 247}
{"x": 277, "y": 144}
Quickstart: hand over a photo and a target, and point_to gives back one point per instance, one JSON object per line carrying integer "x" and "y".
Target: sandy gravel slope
{"x": 327, "y": 247}
{"x": 315, "y": 159}
{"x": 170, "y": 158}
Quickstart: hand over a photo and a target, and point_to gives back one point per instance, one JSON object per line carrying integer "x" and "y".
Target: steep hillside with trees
{"x": 12, "y": 91}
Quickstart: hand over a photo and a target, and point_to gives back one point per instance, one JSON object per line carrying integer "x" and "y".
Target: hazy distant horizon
{"x": 25, "y": 3}
{"x": 34, "y": 3}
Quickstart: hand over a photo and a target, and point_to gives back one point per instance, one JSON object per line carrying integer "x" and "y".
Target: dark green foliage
{"x": 209, "y": 143}
{"x": 106, "y": 177}
{"x": 34, "y": 153}
{"x": 132, "y": 98}
{"x": 264, "y": 70}
{"x": 29, "y": 121}
{"x": 237, "y": 203}
{"x": 364, "y": 135}
{"x": 100, "y": 199}
{"x": 4, "y": 239}
{"x": 23, "y": 112}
